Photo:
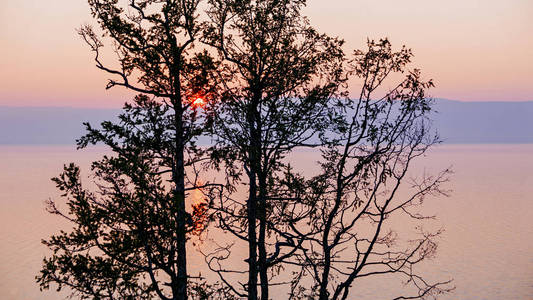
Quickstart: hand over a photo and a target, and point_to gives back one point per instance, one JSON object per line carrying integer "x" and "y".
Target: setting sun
{"x": 199, "y": 101}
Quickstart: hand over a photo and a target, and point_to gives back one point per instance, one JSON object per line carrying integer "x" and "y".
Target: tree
{"x": 343, "y": 214}
{"x": 129, "y": 236}
{"x": 278, "y": 76}
{"x": 276, "y": 89}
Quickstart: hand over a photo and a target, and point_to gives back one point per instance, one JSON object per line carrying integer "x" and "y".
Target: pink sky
{"x": 475, "y": 50}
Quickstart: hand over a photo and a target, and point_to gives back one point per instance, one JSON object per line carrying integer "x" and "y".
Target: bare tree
{"x": 278, "y": 78}
{"x": 342, "y": 215}
{"x": 129, "y": 238}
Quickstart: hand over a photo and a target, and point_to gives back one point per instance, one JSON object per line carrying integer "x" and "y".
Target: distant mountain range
{"x": 484, "y": 122}
{"x": 48, "y": 125}
{"x": 457, "y": 123}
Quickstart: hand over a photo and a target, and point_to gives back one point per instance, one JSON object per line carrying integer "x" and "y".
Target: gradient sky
{"x": 475, "y": 50}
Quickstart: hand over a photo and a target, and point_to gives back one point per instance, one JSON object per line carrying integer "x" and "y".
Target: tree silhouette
{"x": 277, "y": 86}
{"x": 278, "y": 78}
{"x": 129, "y": 236}
{"x": 342, "y": 215}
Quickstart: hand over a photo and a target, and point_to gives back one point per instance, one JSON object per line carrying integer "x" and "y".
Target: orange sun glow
{"x": 199, "y": 211}
{"x": 199, "y": 101}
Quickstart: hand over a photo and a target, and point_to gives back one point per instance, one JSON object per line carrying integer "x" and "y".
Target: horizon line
{"x": 121, "y": 107}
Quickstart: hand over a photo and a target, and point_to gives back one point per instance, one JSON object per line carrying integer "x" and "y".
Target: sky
{"x": 474, "y": 50}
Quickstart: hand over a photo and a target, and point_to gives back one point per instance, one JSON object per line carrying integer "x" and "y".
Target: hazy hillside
{"x": 47, "y": 125}
{"x": 457, "y": 122}
{"x": 484, "y": 122}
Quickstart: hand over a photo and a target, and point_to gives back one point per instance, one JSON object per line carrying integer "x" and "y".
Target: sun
{"x": 199, "y": 101}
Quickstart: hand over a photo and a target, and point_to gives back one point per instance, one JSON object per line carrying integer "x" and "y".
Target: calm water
{"x": 487, "y": 247}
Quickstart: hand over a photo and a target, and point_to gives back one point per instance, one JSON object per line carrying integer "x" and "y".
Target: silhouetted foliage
{"x": 278, "y": 85}
{"x": 129, "y": 235}
{"x": 342, "y": 215}
{"x": 278, "y": 77}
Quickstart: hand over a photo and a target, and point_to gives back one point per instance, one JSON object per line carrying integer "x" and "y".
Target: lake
{"x": 487, "y": 246}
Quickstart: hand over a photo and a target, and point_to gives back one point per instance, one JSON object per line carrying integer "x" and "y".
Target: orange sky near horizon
{"x": 475, "y": 50}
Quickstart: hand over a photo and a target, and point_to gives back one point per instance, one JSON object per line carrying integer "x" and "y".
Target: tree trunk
{"x": 254, "y": 163}
{"x": 263, "y": 268}
{"x": 252, "y": 240}
{"x": 181, "y": 214}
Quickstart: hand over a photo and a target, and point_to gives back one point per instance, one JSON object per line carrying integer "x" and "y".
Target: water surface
{"x": 487, "y": 247}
